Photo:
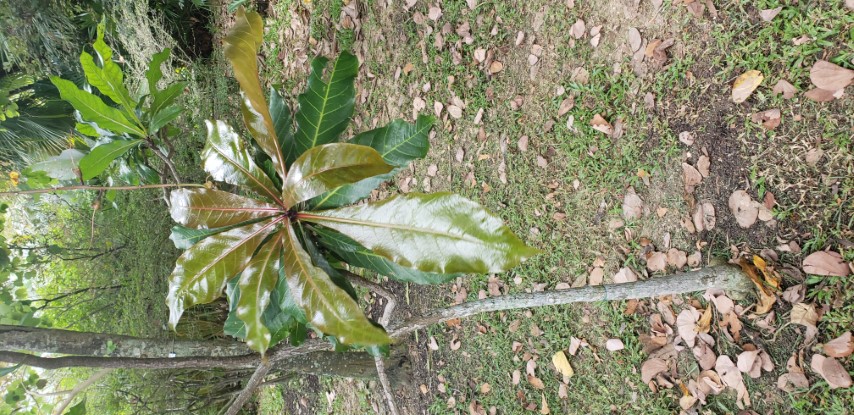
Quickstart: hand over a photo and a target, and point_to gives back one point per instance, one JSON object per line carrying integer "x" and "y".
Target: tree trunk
{"x": 314, "y": 356}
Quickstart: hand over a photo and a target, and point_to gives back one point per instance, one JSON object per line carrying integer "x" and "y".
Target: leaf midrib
{"x": 246, "y": 172}
{"x": 393, "y": 226}
{"x": 325, "y": 100}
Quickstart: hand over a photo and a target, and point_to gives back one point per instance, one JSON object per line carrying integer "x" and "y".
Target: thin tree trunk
{"x": 286, "y": 357}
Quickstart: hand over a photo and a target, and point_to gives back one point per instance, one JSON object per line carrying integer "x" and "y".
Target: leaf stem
{"x": 84, "y": 187}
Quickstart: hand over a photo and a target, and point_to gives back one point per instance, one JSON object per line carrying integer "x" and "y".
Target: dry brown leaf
{"x": 536, "y": 383}
{"x": 687, "y": 138}
{"x": 841, "y": 346}
{"x": 455, "y": 344}
{"x": 597, "y": 275}
{"x": 804, "y": 314}
{"x": 795, "y": 294}
{"x": 455, "y": 112}
{"x": 691, "y": 177}
{"x": 814, "y": 156}
{"x": 516, "y": 377}
{"x": 695, "y": 259}
{"x": 485, "y": 388}
{"x": 613, "y": 345}
{"x": 635, "y": 39}
{"x": 656, "y": 261}
{"x": 821, "y": 95}
{"x": 676, "y": 258}
{"x": 565, "y": 106}
{"x": 562, "y": 364}
{"x": 651, "y": 368}
{"x": 625, "y": 275}
{"x": 745, "y": 209}
{"x": 831, "y": 371}
{"x": 704, "y": 323}
{"x": 703, "y": 165}
{"x": 632, "y": 205}
{"x": 432, "y": 345}
{"x": 496, "y": 67}
{"x": 578, "y": 29}
{"x": 705, "y": 355}
{"x": 827, "y": 263}
{"x": 829, "y": 76}
{"x": 745, "y": 84}
{"x": 574, "y": 344}
{"x": 686, "y": 323}
{"x": 769, "y": 119}
{"x": 434, "y": 13}
{"x": 749, "y": 362}
{"x": 563, "y": 391}
{"x": 769, "y": 14}
{"x": 544, "y": 406}
{"x": 602, "y": 125}
{"x": 784, "y": 87}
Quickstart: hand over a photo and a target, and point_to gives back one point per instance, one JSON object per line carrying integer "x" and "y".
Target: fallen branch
{"x": 254, "y": 382}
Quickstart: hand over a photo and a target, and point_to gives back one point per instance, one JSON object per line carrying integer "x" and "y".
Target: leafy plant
{"x": 284, "y": 241}
{"x": 128, "y": 130}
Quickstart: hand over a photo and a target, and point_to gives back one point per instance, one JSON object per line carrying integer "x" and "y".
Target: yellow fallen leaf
{"x": 705, "y": 322}
{"x": 766, "y": 296}
{"x": 745, "y": 84}
{"x": 545, "y": 406}
{"x": 562, "y": 364}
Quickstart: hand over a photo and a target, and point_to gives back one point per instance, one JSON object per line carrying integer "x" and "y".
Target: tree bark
{"x": 314, "y": 356}
{"x": 42, "y": 340}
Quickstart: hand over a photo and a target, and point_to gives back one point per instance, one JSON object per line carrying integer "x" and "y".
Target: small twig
{"x": 387, "y": 391}
{"x": 391, "y": 301}
{"x": 254, "y": 382}
{"x": 165, "y": 159}
{"x": 67, "y": 188}
{"x": 80, "y": 388}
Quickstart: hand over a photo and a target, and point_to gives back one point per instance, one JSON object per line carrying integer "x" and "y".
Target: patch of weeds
{"x": 270, "y": 401}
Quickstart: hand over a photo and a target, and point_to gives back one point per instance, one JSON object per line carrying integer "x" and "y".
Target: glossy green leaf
{"x": 185, "y": 238}
{"x": 101, "y": 156}
{"x": 256, "y": 284}
{"x": 77, "y": 409}
{"x": 325, "y": 167}
{"x": 442, "y": 233}
{"x": 227, "y": 160}
{"x": 108, "y": 80}
{"x": 241, "y": 49}
{"x": 350, "y": 193}
{"x": 399, "y": 142}
{"x": 153, "y": 74}
{"x": 201, "y": 272}
{"x": 283, "y": 124}
{"x": 206, "y": 208}
{"x": 311, "y": 246}
{"x": 327, "y": 307}
{"x": 61, "y": 167}
{"x": 325, "y": 108}
{"x": 93, "y": 109}
{"x": 164, "y": 117}
{"x": 162, "y": 99}
{"x": 357, "y": 255}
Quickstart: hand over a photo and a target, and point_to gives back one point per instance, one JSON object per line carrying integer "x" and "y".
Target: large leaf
{"x": 325, "y": 108}
{"x": 349, "y": 193}
{"x": 399, "y": 142}
{"x": 163, "y": 117}
{"x": 61, "y": 167}
{"x": 323, "y": 168}
{"x": 327, "y": 307}
{"x": 227, "y": 160}
{"x": 311, "y": 246}
{"x": 204, "y": 208}
{"x": 201, "y": 272}
{"x": 355, "y": 254}
{"x": 108, "y": 80}
{"x": 185, "y": 238}
{"x": 153, "y": 74}
{"x": 282, "y": 123}
{"x": 442, "y": 233}
{"x": 101, "y": 156}
{"x": 162, "y": 99}
{"x": 241, "y": 49}
{"x": 93, "y": 109}
{"x": 256, "y": 284}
